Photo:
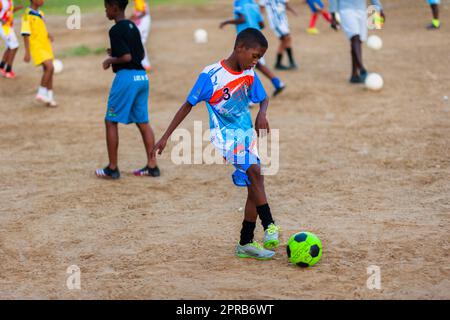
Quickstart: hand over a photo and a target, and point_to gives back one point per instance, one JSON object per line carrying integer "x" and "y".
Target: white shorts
{"x": 10, "y": 38}
{"x": 144, "y": 25}
{"x": 281, "y": 29}
{"x": 354, "y": 22}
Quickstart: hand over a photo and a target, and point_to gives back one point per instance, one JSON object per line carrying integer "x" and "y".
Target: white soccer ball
{"x": 201, "y": 36}
{"x": 374, "y": 82}
{"x": 58, "y": 66}
{"x": 374, "y": 42}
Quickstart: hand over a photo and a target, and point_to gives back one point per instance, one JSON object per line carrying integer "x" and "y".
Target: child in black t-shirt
{"x": 128, "y": 99}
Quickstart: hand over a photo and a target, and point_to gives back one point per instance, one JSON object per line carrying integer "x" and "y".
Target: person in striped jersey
{"x": 277, "y": 13}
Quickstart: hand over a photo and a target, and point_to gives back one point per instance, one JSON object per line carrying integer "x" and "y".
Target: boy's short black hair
{"x": 122, "y": 4}
{"x": 251, "y": 38}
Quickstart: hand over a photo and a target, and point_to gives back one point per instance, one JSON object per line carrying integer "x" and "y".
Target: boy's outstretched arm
{"x": 239, "y": 20}
{"x": 261, "y": 122}
{"x": 177, "y": 119}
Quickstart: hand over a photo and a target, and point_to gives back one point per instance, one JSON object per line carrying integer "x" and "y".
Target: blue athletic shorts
{"x": 313, "y": 7}
{"x": 128, "y": 99}
{"x": 242, "y": 159}
{"x": 430, "y": 2}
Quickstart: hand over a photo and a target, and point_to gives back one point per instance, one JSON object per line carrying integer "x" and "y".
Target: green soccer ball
{"x": 304, "y": 249}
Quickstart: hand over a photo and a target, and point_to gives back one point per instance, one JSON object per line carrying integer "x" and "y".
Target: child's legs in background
{"x": 149, "y": 141}
{"x": 112, "y": 143}
{"x": 326, "y": 15}
{"x": 11, "y": 54}
{"x": 144, "y": 28}
{"x": 12, "y": 46}
{"x": 313, "y": 21}
{"x": 434, "y": 4}
{"x": 287, "y": 39}
{"x": 47, "y": 77}
{"x": 356, "y": 50}
{"x": 5, "y": 55}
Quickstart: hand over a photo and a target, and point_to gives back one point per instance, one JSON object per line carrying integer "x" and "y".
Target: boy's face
{"x": 249, "y": 57}
{"x": 111, "y": 11}
{"x": 38, "y": 3}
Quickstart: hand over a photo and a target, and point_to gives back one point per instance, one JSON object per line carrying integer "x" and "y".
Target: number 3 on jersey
{"x": 226, "y": 94}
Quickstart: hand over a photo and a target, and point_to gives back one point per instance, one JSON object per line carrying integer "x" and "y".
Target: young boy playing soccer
{"x": 39, "y": 48}
{"x": 354, "y": 23}
{"x": 435, "y": 23}
{"x": 141, "y": 17}
{"x": 248, "y": 15}
{"x": 227, "y": 87}
{"x": 128, "y": 99}
{"x": 8, "y": 34}
{"x": 277, "y": 14}
{"x": 316, "y": 7}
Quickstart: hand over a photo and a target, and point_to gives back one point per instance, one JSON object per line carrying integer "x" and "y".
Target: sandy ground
{"x": 369, "y": 173}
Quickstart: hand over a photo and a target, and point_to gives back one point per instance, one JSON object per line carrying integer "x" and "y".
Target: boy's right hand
{"x": 159, "y": 147}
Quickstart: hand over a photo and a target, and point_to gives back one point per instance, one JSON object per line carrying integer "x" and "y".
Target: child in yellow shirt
{"x": 39, "y": 48}
{"x": 141, "y": 17}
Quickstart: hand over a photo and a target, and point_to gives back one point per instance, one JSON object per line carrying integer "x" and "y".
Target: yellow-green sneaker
{"x": 312, "y": 31}
{"x": 253, "y": 250}
{"x": 271, "y": 236}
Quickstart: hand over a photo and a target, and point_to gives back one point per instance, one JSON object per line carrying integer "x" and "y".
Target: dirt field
{"x": 369, "y": 173}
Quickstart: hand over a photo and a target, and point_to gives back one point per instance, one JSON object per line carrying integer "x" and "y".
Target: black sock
{"x": 8, "y": 68}
{"x": 265, "y": 215}
{"x": 279, "y": 58}
{"x": 2, "y": 64}
{"x": 290, "y": 55}
{"x": 247, "y": 232}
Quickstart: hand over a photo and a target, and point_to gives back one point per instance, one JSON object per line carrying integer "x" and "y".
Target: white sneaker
{"x": 254, "y": 250}
{"x": 271, "y": 236}
{"x": 42, "y": 98}
{"x": 52, "y": 104}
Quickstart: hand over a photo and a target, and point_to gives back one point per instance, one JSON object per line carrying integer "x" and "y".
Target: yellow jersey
{"x": 33, "y": 25}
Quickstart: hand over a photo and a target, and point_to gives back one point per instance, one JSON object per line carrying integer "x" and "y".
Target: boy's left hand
{"x": 261, "y": 123}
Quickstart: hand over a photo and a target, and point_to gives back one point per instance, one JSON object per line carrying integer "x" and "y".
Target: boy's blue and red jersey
{"x": 227, "y": 95}
{"x": 251, "y": 12}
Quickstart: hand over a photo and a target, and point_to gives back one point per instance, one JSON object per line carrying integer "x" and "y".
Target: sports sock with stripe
{"x": 265, "y": 215}
{"x": 247, "y": 232}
